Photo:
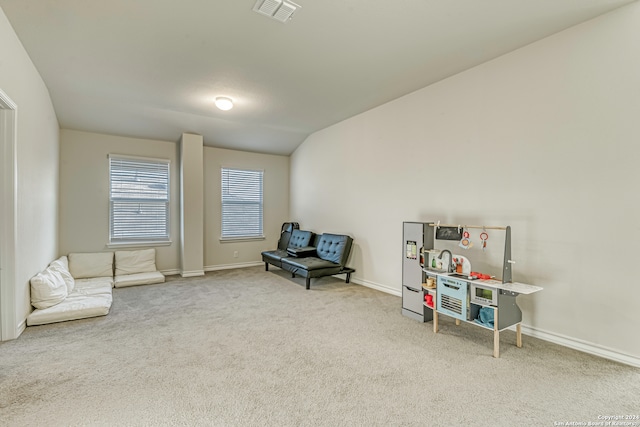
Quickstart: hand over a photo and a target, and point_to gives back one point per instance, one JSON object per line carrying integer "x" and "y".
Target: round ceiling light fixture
{"x": 224, "y": 103}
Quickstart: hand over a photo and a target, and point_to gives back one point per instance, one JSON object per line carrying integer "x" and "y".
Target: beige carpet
{"x": 253, "y": 348}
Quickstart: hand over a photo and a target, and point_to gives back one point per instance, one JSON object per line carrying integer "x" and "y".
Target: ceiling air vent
{"x": 277, "y": 9}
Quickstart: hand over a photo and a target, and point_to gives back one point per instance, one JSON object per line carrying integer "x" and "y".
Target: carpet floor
{"x": 247, "y": 347}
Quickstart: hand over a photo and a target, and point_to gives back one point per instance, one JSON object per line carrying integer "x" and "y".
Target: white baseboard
{"x": 21, "y": 327}
{"x": 376, "y": 286}
{"x": 170, "y": 272}
{"x": 175, "y": 271}
{"x": 563, "y": 340}
{"x": 580, "y": 345}
{"x": 232, "y": 266}
{"x": 192, "y": 273}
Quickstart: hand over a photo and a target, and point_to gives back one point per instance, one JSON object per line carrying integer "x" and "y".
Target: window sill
{"x": 138, "y": 244}
{"x": 240, "y": 239}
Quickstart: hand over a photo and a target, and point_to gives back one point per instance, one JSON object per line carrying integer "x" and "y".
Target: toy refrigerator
{"x": 416, "y": 237}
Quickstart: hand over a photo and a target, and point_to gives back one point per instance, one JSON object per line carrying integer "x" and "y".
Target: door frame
{"x": 8, "y": 213}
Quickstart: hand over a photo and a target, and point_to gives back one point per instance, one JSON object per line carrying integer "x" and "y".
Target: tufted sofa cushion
{"x": 297, "y": 239}
{"x": 311, "y": 264}
{"x": 285, "y": 234}
{"x": 283, "y": 241}
{"x": 300, "y": 238}
{"x": 332, "y": 247}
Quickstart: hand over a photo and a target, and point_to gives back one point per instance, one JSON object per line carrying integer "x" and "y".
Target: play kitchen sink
{"x": 462, "y": 276}
{"x": 443, "y": 261}
{"x": 474, "y": 275}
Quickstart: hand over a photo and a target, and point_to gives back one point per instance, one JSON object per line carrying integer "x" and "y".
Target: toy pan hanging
{"x": 448, "y": 233}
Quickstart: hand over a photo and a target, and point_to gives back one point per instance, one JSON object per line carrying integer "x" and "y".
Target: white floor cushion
{"x": 90, "y": 298}
{"x": 138, "y": 279}
{"x": 61, "y": 265}
{"x": 97, "y": 282}
{"x": 88, "y": 265}
{"x": 47, "y": 288}
{"x": 130, "y": 262}
{"x": 74, "y": 307}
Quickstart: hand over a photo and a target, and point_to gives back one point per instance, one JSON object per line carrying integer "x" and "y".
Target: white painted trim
{"x": 580, "y": 345}
{"x": 376, "y": 286}
{"x": 232, "y": 266}
{"x": 563, "y": 340}
{"x": 172, "y": 272}
{"x": 192, "y": 273}
{"x": 21, "y": 327}
{"x": 144, "y": 244}
{"x": 240, "y": 239}
{"x": 8, "y": 185}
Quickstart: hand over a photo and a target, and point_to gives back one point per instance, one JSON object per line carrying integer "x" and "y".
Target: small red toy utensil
{"x": 479, "y": 275}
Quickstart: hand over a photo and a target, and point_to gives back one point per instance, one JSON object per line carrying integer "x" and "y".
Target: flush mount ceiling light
{"x": 224, "y": 103}
{"x": 279, "y": 10}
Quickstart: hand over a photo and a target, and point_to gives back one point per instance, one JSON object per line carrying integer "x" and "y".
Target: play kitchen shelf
{"x": 451, "y": 287}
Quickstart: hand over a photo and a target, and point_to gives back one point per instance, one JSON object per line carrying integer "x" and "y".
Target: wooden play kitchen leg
{"x": 435, "y": 322}
{"x": 519, "y": 335}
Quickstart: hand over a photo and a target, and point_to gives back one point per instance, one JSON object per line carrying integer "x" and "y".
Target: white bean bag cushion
{"x": 47, "y": 289}
{"x": 88, "y": 265}
{"x": 138, "y": 279}
{"x": 61, "y": 265}
{"x": 131, "y": 262}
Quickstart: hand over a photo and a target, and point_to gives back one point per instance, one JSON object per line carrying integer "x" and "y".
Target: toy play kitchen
{"x": 438, "y": 279}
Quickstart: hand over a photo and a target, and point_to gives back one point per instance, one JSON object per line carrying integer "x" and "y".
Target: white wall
{"x": 84, "y": 191}
{"x": 544, "y": 139}
{"x": 37, "y": 166}
{"x": 276, "y": 206}
{"x": 84, "y": 197}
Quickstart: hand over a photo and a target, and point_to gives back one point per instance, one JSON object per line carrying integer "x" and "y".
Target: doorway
{"x": 8, "y": 182}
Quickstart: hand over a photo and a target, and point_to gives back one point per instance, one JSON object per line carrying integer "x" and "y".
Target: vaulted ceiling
{"x": 152, "y": 68}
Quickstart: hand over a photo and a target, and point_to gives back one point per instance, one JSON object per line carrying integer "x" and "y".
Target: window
{"x": 138, "y": 200}
{"x": 241, "y": 203}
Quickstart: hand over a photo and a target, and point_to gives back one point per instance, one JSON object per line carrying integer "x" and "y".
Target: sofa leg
{"x": 293, "y": 275}
{"x": 308, "y": 282}
{"x": 348, "y": 278}
{"x": 266, "y": 266}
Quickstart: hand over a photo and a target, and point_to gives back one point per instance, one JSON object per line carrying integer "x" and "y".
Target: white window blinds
{"x": 139, "y": 199}
{"x": 241, "y": 203}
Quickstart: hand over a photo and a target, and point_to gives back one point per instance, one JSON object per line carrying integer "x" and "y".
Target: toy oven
{"x": 483, "y": 295}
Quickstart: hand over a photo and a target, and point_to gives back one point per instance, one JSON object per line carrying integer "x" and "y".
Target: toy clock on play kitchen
{"x": 484, "y": 237}
{"x": 466, "y": 242}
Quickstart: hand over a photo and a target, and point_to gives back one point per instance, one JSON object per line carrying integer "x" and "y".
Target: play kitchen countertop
{"x": 519, "y": 288}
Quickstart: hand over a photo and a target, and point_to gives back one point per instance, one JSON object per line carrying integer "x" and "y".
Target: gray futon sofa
{"x": 310, "y": 255}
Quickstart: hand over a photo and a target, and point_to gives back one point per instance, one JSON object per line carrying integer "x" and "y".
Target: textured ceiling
{"x": 151, "y": 68}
